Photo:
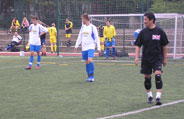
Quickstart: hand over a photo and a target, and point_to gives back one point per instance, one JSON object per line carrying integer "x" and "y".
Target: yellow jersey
{"x": 109, "y": 32}
{"x": 15, "y": 24}
{"x": 52, "y": 31}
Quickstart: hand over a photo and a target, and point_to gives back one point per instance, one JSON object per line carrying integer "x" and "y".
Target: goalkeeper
{"x": 109, "y": 34}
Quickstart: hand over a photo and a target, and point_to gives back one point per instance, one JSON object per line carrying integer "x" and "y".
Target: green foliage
{"x": 168, "y": 6}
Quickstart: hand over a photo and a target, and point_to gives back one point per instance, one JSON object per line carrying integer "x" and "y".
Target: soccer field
{"x": 58, "y": 90}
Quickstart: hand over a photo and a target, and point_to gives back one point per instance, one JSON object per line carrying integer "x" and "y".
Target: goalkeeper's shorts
{"x": 110, "y": 42}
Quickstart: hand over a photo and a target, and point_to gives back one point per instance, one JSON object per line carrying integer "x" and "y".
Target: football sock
{"x": 55, "y": 48}
{"x": 150, "y": 94}
{"x": 91, "y": 67}
{"x": 51, "y": 48}
{"x": 114, "y": 51}
{"x": 87, "y": 69}
{"x": 158, "y": 95}
{"x": 8, "y": 47}
{"x": 31, "y": 61}
{"x": 107, "y": 52}
{"x": 38, "y": 60}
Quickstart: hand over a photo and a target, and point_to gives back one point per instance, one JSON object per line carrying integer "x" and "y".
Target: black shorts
{"x": 43, "y": 42}
{"x": 147, "y": 68}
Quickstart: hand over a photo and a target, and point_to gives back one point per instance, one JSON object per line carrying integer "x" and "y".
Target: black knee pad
{"x": 158, "y": 81}
{"x": 147, "y": 83}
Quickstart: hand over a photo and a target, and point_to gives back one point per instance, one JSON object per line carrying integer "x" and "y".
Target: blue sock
{"x": 9, "y": 46}
{"x": 38, "y": 60}
{"x": 92, "y": 68}
{"x": 87, "y": 69}
{"x": 107, "y": 52}
{"x": 31, "y": 61}
{"x": 114, "y": 51}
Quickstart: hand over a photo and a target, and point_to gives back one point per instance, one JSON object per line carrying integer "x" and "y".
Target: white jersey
{"x": 17, "y": 38}
{"x": 88, "y": 36}
{"x": 34, "y": 34}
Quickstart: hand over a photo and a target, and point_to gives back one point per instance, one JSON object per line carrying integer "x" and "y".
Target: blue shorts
{"x": 110, "y": 43}
{"x": 43, "y": 42}
{"x": 35, "y": 48}
{"x": 88, "y": 54}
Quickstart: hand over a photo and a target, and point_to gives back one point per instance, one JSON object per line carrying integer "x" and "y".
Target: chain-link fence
{"x": 57, "y": 11}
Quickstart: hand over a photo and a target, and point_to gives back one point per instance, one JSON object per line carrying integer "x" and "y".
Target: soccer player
{"x": 109, "y": 34}
{"x": 53, "y": 35}
{"x": 68, "y": 29}
{"x": 154, "y": 55}
{"x": 35, "y": 31}
{"x": 88, "y": 36}
{"x": 43, "y": 44}
{"x": 101, "y": 31}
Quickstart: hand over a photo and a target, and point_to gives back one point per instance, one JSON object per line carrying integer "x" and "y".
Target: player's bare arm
{"x": 165, "y": 55}
{"x": 137, "y": 51}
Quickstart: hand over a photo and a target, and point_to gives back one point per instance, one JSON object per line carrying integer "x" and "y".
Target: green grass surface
{"x": 58, "y": 90}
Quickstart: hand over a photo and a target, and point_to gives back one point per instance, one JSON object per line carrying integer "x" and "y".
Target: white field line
{"x": 142, "y": 110}
{"x": 18, "y": 66}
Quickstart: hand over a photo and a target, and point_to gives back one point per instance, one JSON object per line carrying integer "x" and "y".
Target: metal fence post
{"x": 58, "y": 18}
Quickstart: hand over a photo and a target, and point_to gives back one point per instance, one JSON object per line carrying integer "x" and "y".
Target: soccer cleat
{"x": 150, "y": 100}
{"x": 28, "y": 68}
{"x": 37, "y": 67}
{"x": 158, "y": 101}
{"x": 90, "y": 79}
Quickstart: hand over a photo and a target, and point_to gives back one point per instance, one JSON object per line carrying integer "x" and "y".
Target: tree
{"x": 168, "y": 6}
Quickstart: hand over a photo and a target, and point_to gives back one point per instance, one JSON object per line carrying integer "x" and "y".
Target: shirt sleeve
{"x": 19, "y": 37}
{"x": 139, "y": 39}
{"x": 97, "y": 41}
{"x": 164, "y": 39}
{"x": 43, "y": 29}
{"x": 79, "y": 39}
{"x": 30, "y": 27}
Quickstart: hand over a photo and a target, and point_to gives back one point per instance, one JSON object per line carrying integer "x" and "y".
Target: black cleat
{"x": 150, "y": 100}
{"x": 158, "y": 101}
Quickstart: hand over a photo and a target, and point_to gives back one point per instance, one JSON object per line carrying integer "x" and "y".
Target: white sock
{"x": 158, "y": 95}
{"x": 150, "y": 94}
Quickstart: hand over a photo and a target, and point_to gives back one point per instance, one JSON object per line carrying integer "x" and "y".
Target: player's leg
{"x": 102, "y": 45}
{"x": 91, "y": 64}
{"x": 107, "y": 48}
{"x": 51, "y": 44}
{"x": 38, "y": 48}
{"x": 85, "y": 57}
{"x": 43, "y": 50}
{"x": 69, "y": 40}
{"x": 113, "y": 49}
{"x": 43, "y": 47}
{"x": 32, "y": 49}
{"x": 158, "y": 81}
{"x": 55, "y": 45}
{"x": 146, "y": 69}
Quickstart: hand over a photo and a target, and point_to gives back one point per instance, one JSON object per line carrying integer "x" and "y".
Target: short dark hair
{"x": 85, "y": 16}
{"x": 108, "y": 20}
{"x": 35, "y": 17}
{"x": 150, "y": 16}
